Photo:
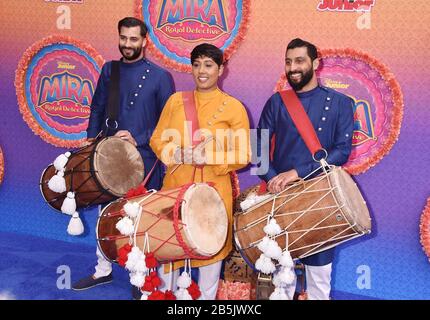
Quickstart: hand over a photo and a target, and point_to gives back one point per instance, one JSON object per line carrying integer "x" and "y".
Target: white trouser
{"x": 103, "y": 267}
{"x": 318, "y": 279}
{"x": 208, "y": 280}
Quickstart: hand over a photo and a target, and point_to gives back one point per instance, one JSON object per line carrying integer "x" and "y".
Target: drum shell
{"x": 85, "y": 182}
{"x": 330, "y": 216}
{"x": 162, "y": 218}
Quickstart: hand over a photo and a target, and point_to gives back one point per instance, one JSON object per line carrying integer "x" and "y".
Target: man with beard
{"x": 144, "y": 89}
{"x": 331, "y": 114}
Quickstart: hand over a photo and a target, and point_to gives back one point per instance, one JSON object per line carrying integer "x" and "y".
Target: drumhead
{"x": 205, "y": 217}
{"x": 349, "y": 195}
{"x": 118, "y": 165}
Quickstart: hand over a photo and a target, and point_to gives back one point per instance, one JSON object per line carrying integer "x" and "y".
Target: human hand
{"x": 280, "y": 182}
{"x": 126, "y": 135}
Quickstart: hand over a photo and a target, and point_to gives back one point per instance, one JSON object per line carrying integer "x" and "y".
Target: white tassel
{"x": 272, "y": 228}
{"x": 69, "y": 204}
{"x": 61, "y": 161}
{"x": 184, "y": 280}
{"x": 286, "y": 260}
{"x": 263, "y": 244}
{"x": 125, "y": 226}
{"x": 137, "y": 279}
{"x": 57, "y": 183}
{"x": 265, "y": 264}
{"x": 145, "y": 295}
{"x": 286, "y": 276}
{"x": 253, "y": 199}
{"x": 273, "y": 250}
{"x": 136, "y": 261}
{"x": 75, "y": 227}
{"x": 132, "y": 209}
{"x": 183, "y": 294}
{"x": 278, "y": 294}
{"x": 276, "y": 280}
{"x": 140, "y": 266}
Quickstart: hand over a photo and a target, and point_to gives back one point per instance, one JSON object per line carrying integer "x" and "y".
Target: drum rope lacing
{"x": 142, "y": 233}
{"x": 180, "y": 225}
{"x": 292, "y": 196}
{"x": 71, "y": 173}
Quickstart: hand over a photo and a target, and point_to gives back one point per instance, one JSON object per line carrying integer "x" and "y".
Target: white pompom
{"x": 265, "y": 264}
{"x": 262, "y": 245}
{"x": 272, "y": 228}
{"x": 75, "y": 227}
{"x": 276, "y": 281}
{"x": 145, "y": 295}
{"x": 253, "y": 199}
{"x": 132, "y": 258}
{"x": 61, "y": 161}
{"x": 286, "y": 260}
{"x": 137, "y": 279}
{"x": 184, "y": 280}
{"x": 183, "y": 294}
{"x": 57, "y": 183}
{"x": 69, "y": 204}
{"x": 273, "y": 250}
{"x": 278, "y": 294}
{"x": 287, "y": 276}
{"x": 136, "y": 261}
{"x": 132, "y": 209}
{"x": 140, "y": 266}
{"x": 125, "y": 226}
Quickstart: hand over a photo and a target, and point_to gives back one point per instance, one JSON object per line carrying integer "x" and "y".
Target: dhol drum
{"x": 189, "y": 222}
{"x": 98, "y": 173}
{"x": 314, "y": 215}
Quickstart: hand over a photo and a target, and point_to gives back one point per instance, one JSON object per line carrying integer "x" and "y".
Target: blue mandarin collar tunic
{"x": 331, "y": 114}
{"x": 144, "y": 90}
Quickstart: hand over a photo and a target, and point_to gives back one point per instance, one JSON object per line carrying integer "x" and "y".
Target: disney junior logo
{"x": 346, "y": 5}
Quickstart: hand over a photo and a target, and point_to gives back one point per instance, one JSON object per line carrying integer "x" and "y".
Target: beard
{"x": 136, "y": 53}
{"x": 306, "y": 77}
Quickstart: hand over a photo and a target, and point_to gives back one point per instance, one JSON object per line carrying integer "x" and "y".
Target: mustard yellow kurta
{"x": 216, "y": 111}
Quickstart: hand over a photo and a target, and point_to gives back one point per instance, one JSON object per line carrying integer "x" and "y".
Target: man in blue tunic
{"x": 144, "y": 90}
{"x": 331, "y": 114}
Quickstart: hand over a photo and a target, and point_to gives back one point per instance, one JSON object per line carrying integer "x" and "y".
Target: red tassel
{"x": 169, "y": 295}
{"x": 155, "y": 280}
{"x": 156, "y": 295}
{"x": 194, "y": 290}
{"x": 148, "y": 286}
{"x": 150, "y": 260}
{"x": 129, "y": 194}
{"x": 123, "y": 253}
{"x": 141, "y": 190}
{"x": 263, "y": 188}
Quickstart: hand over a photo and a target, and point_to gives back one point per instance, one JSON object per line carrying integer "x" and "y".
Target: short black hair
{"x": 207, "y": 50}
{"x": 129, "y": 22}
{"x": 299, "y": 43}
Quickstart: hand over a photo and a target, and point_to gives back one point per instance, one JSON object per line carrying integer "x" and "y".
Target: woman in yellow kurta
{"x": 229, "y": 150}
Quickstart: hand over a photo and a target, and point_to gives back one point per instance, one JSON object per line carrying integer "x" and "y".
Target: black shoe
{"x": 135, "y": 293}
{"x": 89, "y": 282}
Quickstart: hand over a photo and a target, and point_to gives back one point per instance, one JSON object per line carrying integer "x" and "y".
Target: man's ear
{"x": 144, "y": 43}
{"x": 316, "y": 64}
{"x": 221, "y": 70}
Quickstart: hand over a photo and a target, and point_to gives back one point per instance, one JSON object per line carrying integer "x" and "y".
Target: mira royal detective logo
{"x": 378, "y": 103}
{"x": 175, "y": 27}
{"x": 55, "y": 83}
